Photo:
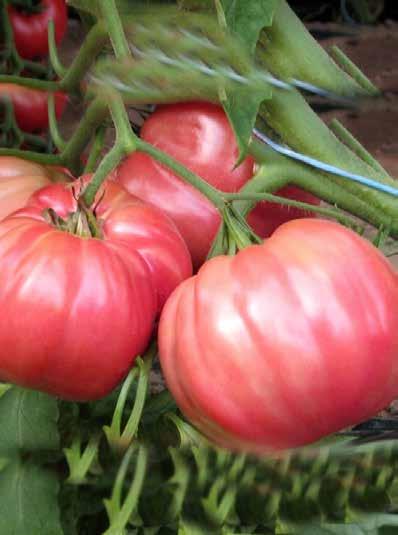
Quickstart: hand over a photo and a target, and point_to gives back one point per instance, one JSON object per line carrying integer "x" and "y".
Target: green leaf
{"x": 241, "y": 108}
{"x": 28, "y": 421}
{"x": 246, "y": 18}
{"x": 28, "y": 500}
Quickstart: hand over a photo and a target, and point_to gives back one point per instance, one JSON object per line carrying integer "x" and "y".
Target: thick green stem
{"x": 298, "y": 125}
{"x": 278, "y": 170}
{"x": 109, "y": 162}
{"x": 33, "y": 83}
{"x": 114, "y": 25}
{"x": 327, "y": 212}
{"x": 92, "y": 46}
{"x": 94, "y": 116}
{"x": 292, "y": 53}
{"x": 125, "y": 143}
{"x": 44, "y": 159}
{"x": 206, "y": 189}
{"x": 125, "y": 135}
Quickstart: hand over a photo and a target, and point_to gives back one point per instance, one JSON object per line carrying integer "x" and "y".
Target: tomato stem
{"x": 33, "y": 83}
{"x": 38, "y": 157}
{"x": 93, "y": 118}
{"x": 92, "y": 46}
{"x": 118, "y": 514}
{"x": 305, "y": 132}
{"x": 278, "y": 171}
{"x": 80, "y": 463}
{"x": 53, "y": 52}
{"x": 95, "y": 150}
{"x": 110, "y": 15}
{"x": 108, "y": 163}
{"x": 214, "y": 195}
{"x": 327, "y": 212}
{"x": 121, "y": 440}
{"x": 59, "y": 142}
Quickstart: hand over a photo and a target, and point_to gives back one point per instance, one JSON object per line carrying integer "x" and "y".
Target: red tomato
{"x": 31, "y": 106}
{"x": 285, "y": 342}
{"x": 75, "y": 310}
{"x": 197, "y": 134}
{"x": 31, "y": 29}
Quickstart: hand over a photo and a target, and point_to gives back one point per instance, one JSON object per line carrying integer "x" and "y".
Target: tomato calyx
{"x": 83, "y": 222}
{"x": 237, "y": 230}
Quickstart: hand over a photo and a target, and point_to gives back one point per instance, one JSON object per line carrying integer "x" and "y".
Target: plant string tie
{"x": 365, "y": 181}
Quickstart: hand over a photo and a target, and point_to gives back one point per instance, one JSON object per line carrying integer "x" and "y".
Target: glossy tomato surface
{"x": 199, "y": 136}
{"x": 78, "y": 310}
{"x": 31, "y": 28}
{"x": 286, "y": 342}
{"x": 31, "y": 106}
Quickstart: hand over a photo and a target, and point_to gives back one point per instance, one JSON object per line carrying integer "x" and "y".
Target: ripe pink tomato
{"x": 199, "y": 136}
{"x": 287, "y": 341}
{"x": 77, "y": 310}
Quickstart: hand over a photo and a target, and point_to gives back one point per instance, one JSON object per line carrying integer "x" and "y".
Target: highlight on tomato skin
{"x": 200, "y": 137}
{"x": 286, "y": 342}
{"x": 31, "y": 29}
{"x": 89, "y": 304}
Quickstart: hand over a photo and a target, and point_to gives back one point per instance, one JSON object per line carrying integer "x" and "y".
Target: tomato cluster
{"x": 275, "y": 347}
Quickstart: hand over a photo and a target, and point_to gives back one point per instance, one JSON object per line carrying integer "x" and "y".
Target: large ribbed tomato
{"x": 76, "y": 310}
{"x": 285, "y": 342}
{"x": 198, "y": 135}
{"x": 31, "y": 28}
{"x": 31, "y": 106}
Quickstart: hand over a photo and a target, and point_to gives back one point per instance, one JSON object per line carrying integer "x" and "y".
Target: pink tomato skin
{"x": 77, "y": 310}
{"x": 287, "y": 341}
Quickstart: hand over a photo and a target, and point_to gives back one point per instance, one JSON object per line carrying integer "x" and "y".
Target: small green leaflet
{"x": 28, "y": 500}
{"x": 28, "y": 422}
